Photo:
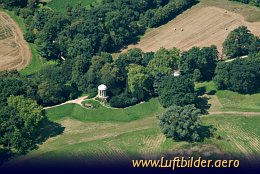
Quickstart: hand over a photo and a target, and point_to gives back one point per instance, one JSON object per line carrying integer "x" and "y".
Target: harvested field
{"x": 202, "y": 26}
{"x": 14, "y": 50}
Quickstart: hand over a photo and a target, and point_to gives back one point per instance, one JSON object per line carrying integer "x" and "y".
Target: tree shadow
{"x": 206, "y": 132}
{"x": 212, "y": 92}
{"x": 47, "y": 130}
{"x": 5, "y": 155}
{"x": 202, "y": 104}
{"x": 201, "y": 91}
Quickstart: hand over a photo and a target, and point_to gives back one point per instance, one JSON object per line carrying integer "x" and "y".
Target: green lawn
{"x": 60, "y": 5}
{"x": 232, "y": 101}
{"x": 102, "y": 114}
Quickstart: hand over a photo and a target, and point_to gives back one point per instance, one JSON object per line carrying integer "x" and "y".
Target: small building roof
{"x": 102, "y": 87}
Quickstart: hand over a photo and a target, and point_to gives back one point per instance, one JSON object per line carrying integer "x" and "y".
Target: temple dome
{"x": 102, "y": 87}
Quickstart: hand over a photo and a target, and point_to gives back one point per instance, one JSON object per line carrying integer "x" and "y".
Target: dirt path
{"x": 75, "y": 101}
{"x": 15, "y": 52}
{"x": 238, "y": 113}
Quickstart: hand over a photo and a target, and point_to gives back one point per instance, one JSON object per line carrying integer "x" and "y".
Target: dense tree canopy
{"x": 240, "y": 75}
{"x": 176, "y": 91}
{"x": 14, "y": 3}
{"x": 139, "y": 82}
{"x": 11, "y": 83}
{"x": 80, "y": 41}
{"x": 165, "y": 12}
{"x": 164, "y": 61}
{"x": 181, "y": 123}
{"x": 241, "y": 42}
{"x": 20, "y": 120}
{"x": 200, "y": 63}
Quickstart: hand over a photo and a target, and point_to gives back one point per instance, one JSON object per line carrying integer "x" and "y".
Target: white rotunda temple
{"x": 102, "y": 91}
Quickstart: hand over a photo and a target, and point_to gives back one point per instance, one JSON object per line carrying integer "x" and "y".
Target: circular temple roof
{"x": 102, "y": 87}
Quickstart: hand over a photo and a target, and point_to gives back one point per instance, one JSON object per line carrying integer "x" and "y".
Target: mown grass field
{"x": 60, "y": 5}
{"x": 241, "y": 134}
{"x": 225, "y": 100}
{"x": 91, "y": 141}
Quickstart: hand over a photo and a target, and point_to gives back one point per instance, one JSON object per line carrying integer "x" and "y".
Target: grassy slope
{"x": 75, "y": 111}
{"x": 233, "y": 101}
{"x": 60, "y": 5}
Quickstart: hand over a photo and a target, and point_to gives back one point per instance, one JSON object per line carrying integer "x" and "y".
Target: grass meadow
{"x": 143, "y": 139}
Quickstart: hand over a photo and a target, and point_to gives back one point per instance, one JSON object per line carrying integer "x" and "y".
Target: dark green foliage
{"x": 132, "y": 56}
{"x": 52, "y": 88}
{"x": 176, "y": 91}
{"x": 14, "y": 3}
{"x": 196, "y": 75}
{"x": 158, "y": 16}
{"x": 164, "y": 61}
{"x": 87, "y": 31}
{"x": 204, "y": 61}
{"x": 19, "y": 123}
{"x": 81, "y": 35}
{"x": 11, "y": 83}
{"x": 123, "y": 100}
{"x": 241, "y": 75}
{"x": 240, "y": 42}
{"x": 181, "y": 123}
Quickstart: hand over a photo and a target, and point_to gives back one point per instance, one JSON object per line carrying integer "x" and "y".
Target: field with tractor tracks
{"x": 14, "y": 50}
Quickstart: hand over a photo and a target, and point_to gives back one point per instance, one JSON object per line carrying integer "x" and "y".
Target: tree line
{"x": 242, "y": 75}
{"x": 86, "y": 31}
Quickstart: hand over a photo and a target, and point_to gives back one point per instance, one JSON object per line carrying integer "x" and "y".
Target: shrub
{"x": 122, "y": 101}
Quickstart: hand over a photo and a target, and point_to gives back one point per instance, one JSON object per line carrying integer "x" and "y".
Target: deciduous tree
{"x": 181, "y": 123}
